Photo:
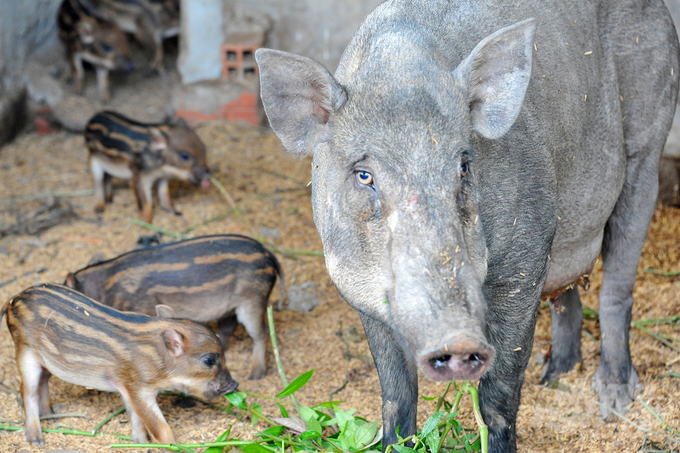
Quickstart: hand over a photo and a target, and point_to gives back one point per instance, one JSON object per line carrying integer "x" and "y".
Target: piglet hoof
{"x": 257, "y": 373}
{"x": 35, "y": 439}
{"x": 177, "y": 213}
{"x": 615, "y": 395}
{"x": 100, "y": 207}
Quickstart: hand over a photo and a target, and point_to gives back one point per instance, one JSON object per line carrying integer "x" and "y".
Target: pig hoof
{"x": 553, "y": 369}
{"x": 39, "y": 441}
{"x": 615, "y": 395}
{"x": 100, "y": 207}
{"x": 257, "y": 374}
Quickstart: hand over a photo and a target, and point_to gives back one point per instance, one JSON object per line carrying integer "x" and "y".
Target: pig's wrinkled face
{"x": 394, "y": 185}
{"x": 185, "y": 155}
{"x": 396, "y": 209}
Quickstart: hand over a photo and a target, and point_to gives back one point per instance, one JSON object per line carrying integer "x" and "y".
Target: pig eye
{"x": 209, "y": 361}
{"x": 464, "y": 169}
{"x": 106, "y": 48}
{"x": 364, "y": 178}
{"x": 184, "y": 156}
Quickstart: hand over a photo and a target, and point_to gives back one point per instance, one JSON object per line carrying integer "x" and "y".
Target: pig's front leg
{"x": 398, "y": 375}
{"x": 164, "y": 197}
{"x": 142, "y": 186}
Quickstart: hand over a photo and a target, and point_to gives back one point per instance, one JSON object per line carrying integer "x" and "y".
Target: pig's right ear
{"x": 299, "y": 96}
{"x": 175, "y": 342}
{"x": 163, "y": 311}
{"x": 70, "y": 281}
{"x": 85, "y": 30}
{"x": 159, "y": 141}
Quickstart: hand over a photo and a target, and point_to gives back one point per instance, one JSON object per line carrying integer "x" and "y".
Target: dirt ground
{"x": 271, "y": 189}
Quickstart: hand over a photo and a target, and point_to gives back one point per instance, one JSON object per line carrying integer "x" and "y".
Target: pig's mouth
{"x": 216, "y": 389}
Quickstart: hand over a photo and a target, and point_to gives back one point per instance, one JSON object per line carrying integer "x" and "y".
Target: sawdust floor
{"x": 271, "y": 188}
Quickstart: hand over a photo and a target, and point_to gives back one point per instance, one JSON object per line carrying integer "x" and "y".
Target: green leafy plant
{"x": 326, "y": 427}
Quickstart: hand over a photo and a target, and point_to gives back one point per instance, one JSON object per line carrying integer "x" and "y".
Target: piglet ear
{"x": 159, "y": 141}
{"x": 496, "y": 75}
{"x": 299, "y": 96}
{"x": 85, "y": 30}
{"x": 175, "y": 342}
{"x": 70, "y": 281}
{"x": 163, "y": 311}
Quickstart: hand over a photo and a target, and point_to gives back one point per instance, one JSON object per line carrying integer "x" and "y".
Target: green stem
{"x": 231, "y": 201}
{"x": 75, "y": 432}
{"x": 440, "y": 400}
{"x": 54, "y": 416}
{"x": 224, "y": 215}
{"x": 654, "y": 322}
{"x": 275, "y": 348}
{"x": 658, "y": 417}
{"x": 665, "y": 274}
{"x": 159, "y": 229}
{"x": 108, "y": 419}
{"x": 179, "y": 447}
{"x": 657, "y": 337}
{"x": 259, "y": 415}
{"x": 483, "y": 429}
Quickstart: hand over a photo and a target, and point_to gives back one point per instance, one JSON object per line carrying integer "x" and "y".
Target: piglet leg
{"x": 145, "y": 406}
{"x": 142, "y": 187}
{"x": 31, "y": 372}
{"x": 44, "y": 393}
{"x": 164, "y": 197}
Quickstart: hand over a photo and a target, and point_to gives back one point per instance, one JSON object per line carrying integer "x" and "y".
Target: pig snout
{"x": 221, "y": 386}
{"x": 201, "y": 176}
{"x": 458, "y": 358}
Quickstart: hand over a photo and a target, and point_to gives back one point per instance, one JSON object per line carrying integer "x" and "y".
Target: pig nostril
{"x": 440, "y": 361}
{"x": 474, "y": 357}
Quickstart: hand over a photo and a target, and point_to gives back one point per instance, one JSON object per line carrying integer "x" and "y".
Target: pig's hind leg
{"x": 44, "y": 393}
{"x": 31, "y": 371}
{"x": 566, "y": 316}
{"x": 647, "y": 110}
{"x": 252, "y": 315}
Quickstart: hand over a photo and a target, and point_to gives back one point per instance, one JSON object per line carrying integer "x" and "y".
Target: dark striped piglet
{"x": 59, "y": 331}
{"x": 146, "y": 154}
{"x": 210, "y": 279}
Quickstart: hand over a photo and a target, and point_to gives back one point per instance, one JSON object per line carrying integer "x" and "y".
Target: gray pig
{"x": 464, "y": 167}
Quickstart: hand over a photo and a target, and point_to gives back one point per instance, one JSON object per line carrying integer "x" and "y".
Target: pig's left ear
{"x": 496, "y": 75}
{"x": 159, "y": 141}
{"x": 163, "y": 311}
{"x": 299, "y": 96}
{"x": 175, "y": 342}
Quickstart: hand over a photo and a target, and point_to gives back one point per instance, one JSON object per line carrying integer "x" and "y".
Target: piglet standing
{"x": 146, "y": 154}
{"x": 212, "y": 279}
{"x": 90, "y": 39}
{"x": 59, "y": 331}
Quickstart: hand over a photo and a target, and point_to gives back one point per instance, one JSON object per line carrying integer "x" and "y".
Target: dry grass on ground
{"x": 271, "y": 188}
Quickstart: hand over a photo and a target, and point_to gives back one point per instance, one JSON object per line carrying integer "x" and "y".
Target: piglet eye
{"x": 106, "y": 48}
{"x": 463, "y": 170}
{"x": 209, "y": 361}
{"x": 364, "y": 178}
{"x": 184, "y": 156}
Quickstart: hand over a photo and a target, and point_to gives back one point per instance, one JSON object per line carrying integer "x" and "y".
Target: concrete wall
{"x": 319, "y": 29}
{"x": 25, "y": 25}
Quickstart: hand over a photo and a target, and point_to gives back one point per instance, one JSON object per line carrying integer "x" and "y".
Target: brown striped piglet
{"x": 59, "y": 331}
{"x": 212, "y": 279}
{"x": 146, "y": 154}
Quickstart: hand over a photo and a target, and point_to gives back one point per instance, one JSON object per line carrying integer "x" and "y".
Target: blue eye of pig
{"x": 364, "y": 178}
{"x": 184, "y": 156}
{"x": 209, "y": 361}
{"x": 106, "y": 48}
{"x": 463, "y": 169}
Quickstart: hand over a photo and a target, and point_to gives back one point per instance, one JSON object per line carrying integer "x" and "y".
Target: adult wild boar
{"x": 471, "y": 157}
